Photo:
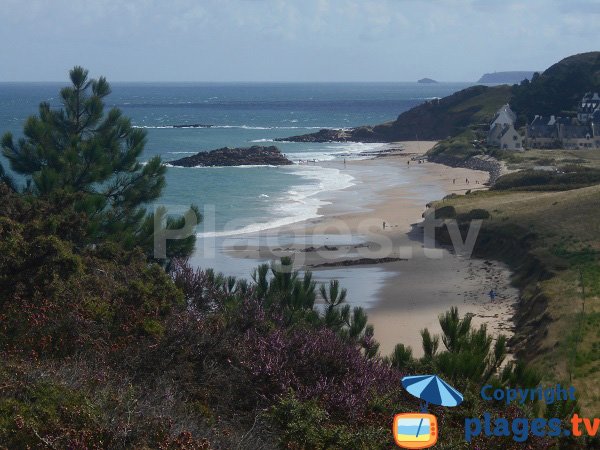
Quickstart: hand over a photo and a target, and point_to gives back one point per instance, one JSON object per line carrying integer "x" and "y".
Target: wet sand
{"x": 387, "y": 270}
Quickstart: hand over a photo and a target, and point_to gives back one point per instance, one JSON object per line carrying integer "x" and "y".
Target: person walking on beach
{"x": 384, "y": 225}
{"x": 467, "y": 180}
{"x": 453, "y": 180}
{"x": 492, "y": 295}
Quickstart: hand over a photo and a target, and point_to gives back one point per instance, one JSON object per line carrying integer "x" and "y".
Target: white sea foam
{"x": 242, "y": 127}
{"x": 249, "y": 127}
{"x": 299, "y": 203}
{"x": 350, "y": 150}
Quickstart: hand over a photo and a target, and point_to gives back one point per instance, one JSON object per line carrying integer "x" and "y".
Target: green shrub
{"x": 307, "y": 425}
{"x": 569, "y": 177}
{"x": 445, "y": 212}
{"x": 479, "y": 213}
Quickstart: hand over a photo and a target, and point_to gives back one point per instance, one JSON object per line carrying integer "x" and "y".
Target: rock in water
{"x": 324, "y": 135}
{"x": 250, "y": 156}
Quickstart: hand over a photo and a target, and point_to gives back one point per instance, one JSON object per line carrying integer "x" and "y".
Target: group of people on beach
{"x": 466, "y": 181}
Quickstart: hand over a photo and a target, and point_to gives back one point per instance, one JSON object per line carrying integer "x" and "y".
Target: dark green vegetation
{"x": 103, "y": 348}
{"x": 565, "y": 178}
{"x": 559, "y": 88}
{"x": 544, "y": 224}
{"x": 90, "y": 159}
{"x": 551, "y": 240}
{"x": 438, "y": 119}
{"x": 432, "y": 120}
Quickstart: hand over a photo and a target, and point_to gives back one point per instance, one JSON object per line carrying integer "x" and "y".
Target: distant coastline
{"x": 510, "y": 77}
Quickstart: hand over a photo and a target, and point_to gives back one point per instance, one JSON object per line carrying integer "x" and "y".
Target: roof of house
{"x": 589, "y": 103}
{"x": 552, "y": 120}
{"x": 496, "y": 131}
{"x": 542, "y": 131}
{"x": 538, "y": 120}
{"x": 504, "y": 115}
{"x": 591, "y": 96}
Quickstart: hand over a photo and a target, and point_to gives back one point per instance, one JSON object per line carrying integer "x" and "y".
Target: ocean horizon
{"x": 248, "y": 198}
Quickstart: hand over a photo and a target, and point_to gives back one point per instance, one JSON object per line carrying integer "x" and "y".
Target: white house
{"x": 510, "y": 139}
{"x": 504, "y": 116}
{"x": 502, "y": 130}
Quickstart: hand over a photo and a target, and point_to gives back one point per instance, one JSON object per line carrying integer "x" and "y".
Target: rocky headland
{"x": 433, "y": 120}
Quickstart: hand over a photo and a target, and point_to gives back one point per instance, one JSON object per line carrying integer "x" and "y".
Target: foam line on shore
{"x": 299, "y": 203}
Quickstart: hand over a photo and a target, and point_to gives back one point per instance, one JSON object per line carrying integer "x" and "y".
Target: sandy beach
{"x": 386, "y": 268}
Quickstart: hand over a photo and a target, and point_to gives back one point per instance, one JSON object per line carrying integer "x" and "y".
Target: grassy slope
{"x": 450, "y": 116}
{"x": 482, "y": 108}
{"x": 563, "y": 232}
{"x": 485, "y": 104}
{"x": 538, "y": 157}
{"x": 558, "y": 231}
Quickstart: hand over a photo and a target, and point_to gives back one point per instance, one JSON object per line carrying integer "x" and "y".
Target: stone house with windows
{"x": 542, "y": 132}
{"x": 582, "y": 132}
{"x": 576, "y": 137}
{"x": 502, "y": 132}
{"x": 510, "y": 139}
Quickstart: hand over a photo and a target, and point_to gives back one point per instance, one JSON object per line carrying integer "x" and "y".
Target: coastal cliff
{"x": 250, "y": 156}
{"x": 433, "y": 120}
{"x": 510, "y": 77}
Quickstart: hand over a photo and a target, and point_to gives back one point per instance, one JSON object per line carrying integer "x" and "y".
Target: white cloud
{"x": 216, "y": 39}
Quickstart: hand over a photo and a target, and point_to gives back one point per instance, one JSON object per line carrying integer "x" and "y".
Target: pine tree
{"x": 5, "y": 178}
{"x": 80, "y": 151}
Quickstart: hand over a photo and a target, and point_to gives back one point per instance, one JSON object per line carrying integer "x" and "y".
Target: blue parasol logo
{"x": 420, "y": 430}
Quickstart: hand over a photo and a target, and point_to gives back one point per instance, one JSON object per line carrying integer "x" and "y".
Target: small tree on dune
{"x": 80, "y": 152}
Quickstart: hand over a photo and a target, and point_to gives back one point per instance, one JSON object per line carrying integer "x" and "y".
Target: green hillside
{"x": 559, "y": 88}
{"x": 448, "y": 116}
{"x": 551, "y": 241}
{"x": 432, "y": 120}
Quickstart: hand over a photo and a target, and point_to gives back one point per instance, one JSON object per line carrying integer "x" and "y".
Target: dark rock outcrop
{"x": 358, "y": 262}
{"x": 324, "y": 135}
{"x": 192, "y": 125}
{"x": 251, "y": 156}
{"x": 479, "y": 162}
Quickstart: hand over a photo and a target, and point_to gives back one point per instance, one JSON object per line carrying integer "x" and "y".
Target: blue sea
{"x": 242, "y": 114}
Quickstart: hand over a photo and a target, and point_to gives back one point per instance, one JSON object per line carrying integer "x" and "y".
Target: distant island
{"x": 250, "y": 156}
{"x": 427, "y": 81}
{"x": 510, "y": 77}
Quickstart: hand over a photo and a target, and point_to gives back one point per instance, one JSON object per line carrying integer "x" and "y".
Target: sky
{"x": 290, "y": 40}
